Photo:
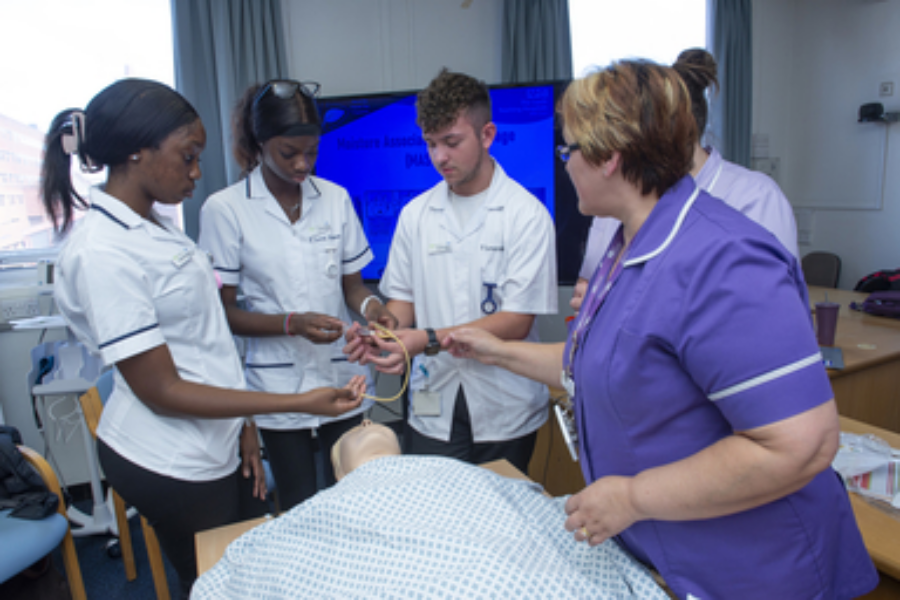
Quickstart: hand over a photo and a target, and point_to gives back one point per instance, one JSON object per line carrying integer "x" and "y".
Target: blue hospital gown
{"x": 423, "y": 527}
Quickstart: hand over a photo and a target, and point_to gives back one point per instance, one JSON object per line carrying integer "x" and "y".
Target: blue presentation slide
{"x": 373, "y": 147}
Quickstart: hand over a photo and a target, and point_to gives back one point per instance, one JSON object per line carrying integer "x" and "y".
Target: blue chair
{"x": 24, "y": 542}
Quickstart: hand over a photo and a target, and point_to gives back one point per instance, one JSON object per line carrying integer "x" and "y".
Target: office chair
{"x": 92, "y": 403}
{"x": 25, "y": 542}
{"x": 822, "y": 269}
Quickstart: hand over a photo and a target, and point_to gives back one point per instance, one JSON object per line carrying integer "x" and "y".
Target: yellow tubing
{"x": 383, "y": 333}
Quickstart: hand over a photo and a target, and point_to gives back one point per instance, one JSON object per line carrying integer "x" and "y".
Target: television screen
{"x": 372, "y": 146}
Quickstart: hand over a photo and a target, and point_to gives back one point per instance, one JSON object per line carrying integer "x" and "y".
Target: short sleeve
{"x": 356, "y": 252}
{"x": 746, "y": 336}
{"x": 530, "y": 286}
{"x": 396, "y": 281}
{"x": 113, "y": 291}
{"x": 220, "y": 235}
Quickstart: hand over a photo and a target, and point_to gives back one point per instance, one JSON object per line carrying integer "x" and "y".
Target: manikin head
{"x": 361, "y": 444}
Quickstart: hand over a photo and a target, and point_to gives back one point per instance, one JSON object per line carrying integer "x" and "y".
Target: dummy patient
{"x": 420, "y": 526}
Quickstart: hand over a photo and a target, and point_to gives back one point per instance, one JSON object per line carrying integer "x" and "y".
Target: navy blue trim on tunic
{"x": 272, "y": 366}
{"x": 224, "y": 270}
{"x": 108, "y": 214}
{"x": 128, "y": 335}
{"x": 357, "y": 257}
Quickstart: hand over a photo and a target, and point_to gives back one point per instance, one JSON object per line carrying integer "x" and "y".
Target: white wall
{"x": 815, "y": 63}
{"x": 361, "y": 46}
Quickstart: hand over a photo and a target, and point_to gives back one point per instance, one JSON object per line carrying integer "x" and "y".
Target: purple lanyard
{"x": 606, "y": 276}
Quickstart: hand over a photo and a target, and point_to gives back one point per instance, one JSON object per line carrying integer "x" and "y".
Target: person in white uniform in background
{"x": 477, "y": 249}
{"x": 294, "y": 246}
{"x": 135, "y": 290}
{"x": 752, "y": 193}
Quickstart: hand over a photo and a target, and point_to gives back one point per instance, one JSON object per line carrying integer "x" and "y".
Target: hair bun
{"x": 698, "y": 68}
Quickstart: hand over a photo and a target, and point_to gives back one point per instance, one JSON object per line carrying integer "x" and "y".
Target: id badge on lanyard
{"x": 426, "y": 402}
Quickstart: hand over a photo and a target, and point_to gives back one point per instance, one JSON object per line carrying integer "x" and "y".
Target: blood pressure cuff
{"x": 21, "y": 488}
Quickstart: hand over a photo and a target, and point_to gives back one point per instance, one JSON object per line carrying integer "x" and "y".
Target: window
{"x": 58, "y": 54}
{"x": 605, "y": 30}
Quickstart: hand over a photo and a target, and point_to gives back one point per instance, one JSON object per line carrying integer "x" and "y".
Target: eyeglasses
{"x": 565, "y": 151}
{"x": 287, "y": 88}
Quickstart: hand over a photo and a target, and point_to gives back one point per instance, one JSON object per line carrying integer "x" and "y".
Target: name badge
{"x": 183, "y": 257}
{"x": 569, "y": 431}
{"x": 439, "y": 248}
{"x": 426, "y": 403}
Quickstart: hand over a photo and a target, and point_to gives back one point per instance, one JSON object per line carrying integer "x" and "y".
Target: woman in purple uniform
{"x": 706, "y": 421}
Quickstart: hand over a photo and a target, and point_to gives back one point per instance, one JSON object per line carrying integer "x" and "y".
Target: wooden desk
{"x": 211, "y": 544}
{"x": 868, "y": 387}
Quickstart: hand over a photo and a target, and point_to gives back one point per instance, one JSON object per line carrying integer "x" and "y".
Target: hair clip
{"x": 72, "y": 141}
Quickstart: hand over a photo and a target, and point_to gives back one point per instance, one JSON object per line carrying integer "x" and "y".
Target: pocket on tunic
{"x": 275, "y": 377}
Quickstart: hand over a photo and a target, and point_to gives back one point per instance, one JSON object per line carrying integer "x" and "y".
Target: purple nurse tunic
{"x": 707, "y": 331}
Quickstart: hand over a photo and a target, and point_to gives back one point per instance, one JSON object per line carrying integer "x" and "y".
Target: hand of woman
{"x": 356, "y": 386}
{"x": 601, "y": 510}
{"x": 251, "y": 460}
{"x": 578, "y": 294}
{"x": 316, "y": 327}
{"x": 331, "y": 402}
{"x": 471, "y": 342}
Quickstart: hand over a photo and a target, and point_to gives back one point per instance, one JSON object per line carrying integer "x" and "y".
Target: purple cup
{"x": 826, "y": 322}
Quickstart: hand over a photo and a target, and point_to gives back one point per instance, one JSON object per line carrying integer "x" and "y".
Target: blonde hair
{"x": 640, "y": 110}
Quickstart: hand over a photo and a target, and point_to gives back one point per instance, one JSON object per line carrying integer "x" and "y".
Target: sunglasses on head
{"x": 287, "y": 88}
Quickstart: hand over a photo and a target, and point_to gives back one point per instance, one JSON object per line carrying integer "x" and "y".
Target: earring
{"x": 135, "y": 157}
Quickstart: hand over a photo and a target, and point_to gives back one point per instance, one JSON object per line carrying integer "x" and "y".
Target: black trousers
{"x": 517, "y": 451}
{"x": 178, "y": 509}
{"x": 292, "y": 457}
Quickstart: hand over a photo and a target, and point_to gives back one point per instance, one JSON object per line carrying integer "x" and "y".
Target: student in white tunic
{"x": 292, "y": 243}
{"x": 475, "y": 249}
{"x": 137, "y": 292}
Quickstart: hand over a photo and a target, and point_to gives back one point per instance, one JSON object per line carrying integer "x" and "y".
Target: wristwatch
{"x": 433, "y": 347}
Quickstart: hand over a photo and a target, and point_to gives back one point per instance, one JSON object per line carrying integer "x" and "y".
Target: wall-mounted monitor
{"x": 372, "y": 146}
